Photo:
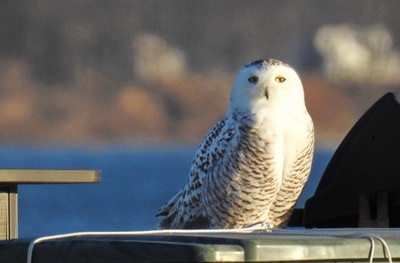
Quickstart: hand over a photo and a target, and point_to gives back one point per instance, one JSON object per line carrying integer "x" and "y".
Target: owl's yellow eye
{"x": 253, "y": 79}
{"x": 280, "y": 79}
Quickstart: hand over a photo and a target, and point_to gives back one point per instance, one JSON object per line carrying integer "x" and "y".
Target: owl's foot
{"x": 262, "y": 225}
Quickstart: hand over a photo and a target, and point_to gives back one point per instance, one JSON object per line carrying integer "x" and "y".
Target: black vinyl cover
{"x": 367, "y": 162}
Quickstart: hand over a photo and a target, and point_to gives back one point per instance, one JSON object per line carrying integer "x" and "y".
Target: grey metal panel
{"x": 343, "y": 245}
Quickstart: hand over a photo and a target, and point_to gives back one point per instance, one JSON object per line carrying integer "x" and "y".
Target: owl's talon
{"x": 263, "y": 225}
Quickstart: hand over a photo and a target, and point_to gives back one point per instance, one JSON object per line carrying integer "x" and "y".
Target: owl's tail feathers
{"x": 166, "y": 222}
{"x": 169, "y": 211}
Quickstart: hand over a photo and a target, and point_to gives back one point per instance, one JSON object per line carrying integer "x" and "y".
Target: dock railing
{"x": 11, "y": 178}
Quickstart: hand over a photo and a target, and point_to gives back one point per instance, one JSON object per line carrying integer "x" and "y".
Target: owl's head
{"x": 267, "y": 83}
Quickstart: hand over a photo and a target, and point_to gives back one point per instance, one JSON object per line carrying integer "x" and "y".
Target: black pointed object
{"x": 366, "y": 164}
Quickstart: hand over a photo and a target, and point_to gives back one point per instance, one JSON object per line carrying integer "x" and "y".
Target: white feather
{"x": 252, "y": 166}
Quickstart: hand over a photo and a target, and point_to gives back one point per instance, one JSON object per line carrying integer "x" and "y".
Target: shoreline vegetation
{"x": 182, "y": 109}
{"x": 101, "y": 72}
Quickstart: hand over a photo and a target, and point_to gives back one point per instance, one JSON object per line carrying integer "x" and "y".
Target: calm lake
{"x": 136, "y": 182}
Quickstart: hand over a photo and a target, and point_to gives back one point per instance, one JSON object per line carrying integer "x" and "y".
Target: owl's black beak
{"x": 266, "y": 94}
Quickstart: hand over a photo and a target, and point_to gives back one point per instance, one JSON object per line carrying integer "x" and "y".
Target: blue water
{"x": 136, "y": 181}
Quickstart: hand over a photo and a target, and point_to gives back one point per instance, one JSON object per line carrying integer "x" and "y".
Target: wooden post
{"x": 9, "y": 180}
{"x": 3, "y": 213}
{"x": 8, "y": 212}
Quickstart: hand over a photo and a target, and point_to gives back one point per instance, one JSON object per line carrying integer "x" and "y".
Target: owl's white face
{"x": 267, "y": 83}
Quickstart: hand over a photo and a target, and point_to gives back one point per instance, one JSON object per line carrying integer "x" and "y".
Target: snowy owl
{"x": 253, "y": 164}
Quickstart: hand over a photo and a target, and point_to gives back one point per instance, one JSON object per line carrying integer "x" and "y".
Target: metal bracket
{"x": 373, "y": 210}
